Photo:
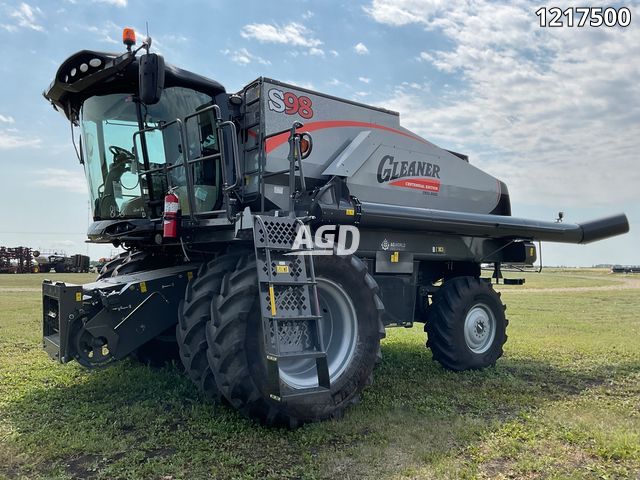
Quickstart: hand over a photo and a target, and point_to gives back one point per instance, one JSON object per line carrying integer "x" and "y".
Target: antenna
{"x": 147, "y": 41}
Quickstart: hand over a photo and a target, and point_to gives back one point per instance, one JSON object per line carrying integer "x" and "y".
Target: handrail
{"x": 189, "y": 162}
{"x": 234, "y": 145}
{"x": 236, "y": 157}
{"x": 185, "y": 153}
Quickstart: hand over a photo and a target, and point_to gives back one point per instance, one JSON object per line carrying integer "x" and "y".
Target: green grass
{"x": 34, "y": 280}
{"x": 563, "y": 278}
{"x": 562, "y": 403}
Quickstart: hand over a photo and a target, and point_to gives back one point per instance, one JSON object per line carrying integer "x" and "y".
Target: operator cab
{"x": 135, "y": 146}
{"x": 112, "y": 151}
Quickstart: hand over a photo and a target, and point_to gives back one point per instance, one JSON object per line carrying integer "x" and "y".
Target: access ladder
{"x": 291, "y": 320}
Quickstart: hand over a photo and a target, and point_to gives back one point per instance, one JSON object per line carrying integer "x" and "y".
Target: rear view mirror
{"x": 150, "y": 77}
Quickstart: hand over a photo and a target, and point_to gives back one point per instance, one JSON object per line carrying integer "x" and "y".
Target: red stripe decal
{"x": 274, "y": 142}
{"x": 418, "y": 184}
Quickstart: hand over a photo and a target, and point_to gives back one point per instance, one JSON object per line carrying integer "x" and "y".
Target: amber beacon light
{"x": 129, "y": 37}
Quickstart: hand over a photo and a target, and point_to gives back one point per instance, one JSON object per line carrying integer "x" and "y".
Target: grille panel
{"x": 290, "y": 300}
{"x": 293, "y": 336}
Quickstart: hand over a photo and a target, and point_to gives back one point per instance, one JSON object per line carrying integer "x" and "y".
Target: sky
{"x": 552, "y": 112}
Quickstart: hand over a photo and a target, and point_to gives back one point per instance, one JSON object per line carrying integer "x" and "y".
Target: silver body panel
{"x": 382, "y": 161}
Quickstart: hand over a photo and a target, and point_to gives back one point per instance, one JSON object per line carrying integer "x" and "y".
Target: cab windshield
{"x": 116, "y": 189}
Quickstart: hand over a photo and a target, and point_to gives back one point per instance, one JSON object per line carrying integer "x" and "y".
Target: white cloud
{"x": 318, "y": 52}
{"x": 115, "y": 3}
{"x": 403, "y": 12}
{"x": 171, "y": 38}
{"x": 364, "y": 79}
{"x": 425, "y": 57}
{"x": 293, "y": 33}
{"x": 334, "y": 53}
{"x": 307, "y": 15}
{"x": 104, "y": 34}
{"x": 69, "y": 180}
{"x": 362, "y": 94}
{"x": 297, "y": 83}
{"x": 25, "y": 16}
{"x": 11, "y": 138}
{"x": 422, "y": 87}
{"x": 361, "y": 49}
{"x": 6, "y": 119}
{"x": 242, "y": 56}
{"x": 552, "y": 112}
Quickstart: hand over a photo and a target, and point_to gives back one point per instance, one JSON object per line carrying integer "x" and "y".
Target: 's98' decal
{"x": 290, "y": 104}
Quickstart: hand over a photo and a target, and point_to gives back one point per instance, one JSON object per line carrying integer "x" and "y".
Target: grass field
{"x": 563, "y": 402}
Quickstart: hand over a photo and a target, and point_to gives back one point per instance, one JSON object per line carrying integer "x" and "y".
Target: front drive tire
{"x": 236, "y": 351}
{"x": 158, "y": 351}
{"x": 193, "y": 314}
{"x": 466, "y": 325}
{"x": 134, "y": 262}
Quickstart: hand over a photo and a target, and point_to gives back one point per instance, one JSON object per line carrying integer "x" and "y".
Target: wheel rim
{"x": 339, "y": 332}
{"x": 479, "y": 328}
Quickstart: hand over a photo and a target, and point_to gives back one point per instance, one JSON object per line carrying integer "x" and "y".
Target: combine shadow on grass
{"x": 131, "y": 421}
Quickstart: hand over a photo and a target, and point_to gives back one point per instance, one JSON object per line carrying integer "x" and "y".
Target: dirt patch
{"x": 88, "y": 466}
{"x": 83, "y": 466}
{"x": 160, "y": 452}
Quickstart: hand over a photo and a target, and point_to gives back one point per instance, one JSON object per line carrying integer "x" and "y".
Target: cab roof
{"x": 88, "y": 73}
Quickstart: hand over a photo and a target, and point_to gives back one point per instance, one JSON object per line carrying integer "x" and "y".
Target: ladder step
{"x": 294, "y": 318}
{"x": 300, "y": 355}
{"x": 307, "y": 391}
{"x": 286, "y": 248}
{"x": 276, "y": 283}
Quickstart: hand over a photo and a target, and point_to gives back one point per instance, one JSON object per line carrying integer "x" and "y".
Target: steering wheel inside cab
{"x": 121, "y": 154}
{"x": 122, "y": 160}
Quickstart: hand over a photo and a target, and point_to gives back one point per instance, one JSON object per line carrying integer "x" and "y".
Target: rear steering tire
{"x": 466, "y": 325}
{"x": 352, "y": 327}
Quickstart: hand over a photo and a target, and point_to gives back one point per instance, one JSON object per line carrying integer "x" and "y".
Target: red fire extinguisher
{"x": 171, "y": 215}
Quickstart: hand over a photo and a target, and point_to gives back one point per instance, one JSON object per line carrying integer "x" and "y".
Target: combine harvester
{"x": 229, "y": 211}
